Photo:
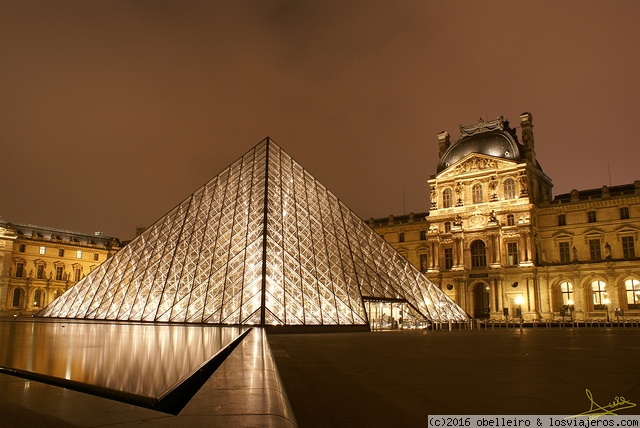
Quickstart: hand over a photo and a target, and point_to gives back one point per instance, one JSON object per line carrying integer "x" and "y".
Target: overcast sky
{"x": 112, "y": 112}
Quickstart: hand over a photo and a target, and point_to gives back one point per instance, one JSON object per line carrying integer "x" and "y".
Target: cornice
{"x": 403, "y": 227}
{"x": 592, "y": 203}
{"x": 63, "y": 244}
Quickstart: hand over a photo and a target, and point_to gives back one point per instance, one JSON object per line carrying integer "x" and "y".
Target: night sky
{"x": 112, "y": 112}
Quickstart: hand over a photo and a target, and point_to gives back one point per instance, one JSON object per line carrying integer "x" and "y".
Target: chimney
{"x": 443, "y": 143}
{"x": 526, "y": 124}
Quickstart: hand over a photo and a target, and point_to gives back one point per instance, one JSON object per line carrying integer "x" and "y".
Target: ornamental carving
{"x": 482, "y": 126}
{"x": 477, "y": 220}
{"x": 475, "y": 163}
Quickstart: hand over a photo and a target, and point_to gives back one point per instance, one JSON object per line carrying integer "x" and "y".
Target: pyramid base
{"x": 302, "y": 329}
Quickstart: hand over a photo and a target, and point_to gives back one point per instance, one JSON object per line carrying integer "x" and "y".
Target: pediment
{"x": 476, "y": 162}
{"x": 626, "y": 230}
{"x": 561, "y": 236}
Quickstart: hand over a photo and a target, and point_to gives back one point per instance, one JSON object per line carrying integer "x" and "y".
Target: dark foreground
{"x": 398, "y": 378}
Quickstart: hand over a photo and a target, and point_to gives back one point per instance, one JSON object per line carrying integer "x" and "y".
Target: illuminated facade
{"x": 262, "y": 243}
{"x": 499, "y": 245}
{"x": 38, "y": 264}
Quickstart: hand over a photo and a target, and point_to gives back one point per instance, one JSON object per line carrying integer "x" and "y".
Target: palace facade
{"x": 502, "y": 247}
{"x": 38, "y": 264}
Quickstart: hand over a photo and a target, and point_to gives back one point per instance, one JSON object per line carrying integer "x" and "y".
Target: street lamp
{"x": 606, "y": 307}
{"x": 519, "y": 301}
{"x": 570, "y": 308}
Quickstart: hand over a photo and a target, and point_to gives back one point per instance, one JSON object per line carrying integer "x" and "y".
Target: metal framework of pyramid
{"x": 262, "y": 243}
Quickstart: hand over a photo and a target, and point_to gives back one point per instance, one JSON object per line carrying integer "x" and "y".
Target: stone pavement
{"x": 244, "y": 391}
{"x": 389, "y": 379}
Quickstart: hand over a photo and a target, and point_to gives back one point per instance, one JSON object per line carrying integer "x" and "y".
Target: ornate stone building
{"x": 498, "y": 243}
{"x": 37, "y": 264}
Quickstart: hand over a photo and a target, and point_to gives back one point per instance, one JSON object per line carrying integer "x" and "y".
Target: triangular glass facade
{"x": 261, "y": 243}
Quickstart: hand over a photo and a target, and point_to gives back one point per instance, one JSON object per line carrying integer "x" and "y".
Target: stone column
{"x": 499, "y": 293}
{"x": 527, "y": 238}
{"x": 459, "y": 252}
{"x": 613, "y": 292}
{"x": 531, "y": 295}
{"x": 492, "y": 249}
{"x": 434, "y": 255}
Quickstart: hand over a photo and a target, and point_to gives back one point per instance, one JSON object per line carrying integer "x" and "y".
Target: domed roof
{"x": 493, "y": 138}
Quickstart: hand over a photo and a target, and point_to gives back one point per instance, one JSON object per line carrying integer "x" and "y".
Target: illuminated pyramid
{"x": 262, "y": 243}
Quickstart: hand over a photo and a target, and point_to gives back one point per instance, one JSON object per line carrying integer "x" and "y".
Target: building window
{"x": 448, "y": 258}
{"x": 447, "y": 226}
{"x": 78, "y": 274}
{"x": 22, "y": 248}
{"x": 567, "y": 293}
{"x": 400, "y": 237}
{"x": 599, "y": 294}
{"x": 17, "y": 297}
{"x": 38, "y": 297}
{"x": 19, "y": 270}
{"x": 594, "y": 249}
{"x": 633, "y": 293}
{"x": 509, "y": 188}
{"x": 628, "y": 248}
{"x": 512, "y": 253}
{"x": 511, "y": 220}
{"x": 78, "y": 254}
{"x": 478, "y": 254}
{"x": 95, "y": 257}
{"x": 565, "y": 252}
{"x": 423, "y": 236}
{"x": 59, "y": 272}
{"x": 562, "y": 220}
{"x": 424, "y": 262}
{"x": 476, "y": 191}
{"x": 447, "y": 196}
{"x": 40, "y": 274}
{"x": 624, "y": 213}
{"x": 60, "y": 252}
{"x": 43, "y": 250}
{"x": 591, "y": 216}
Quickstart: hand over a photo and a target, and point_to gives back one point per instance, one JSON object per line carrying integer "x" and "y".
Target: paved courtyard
{"x": 398, "y": 378}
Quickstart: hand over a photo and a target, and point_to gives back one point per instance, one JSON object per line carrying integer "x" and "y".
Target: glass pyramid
{"x": 262, "y": 243}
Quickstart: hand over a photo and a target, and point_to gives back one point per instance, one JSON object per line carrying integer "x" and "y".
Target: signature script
{"x": 596, "y": 410}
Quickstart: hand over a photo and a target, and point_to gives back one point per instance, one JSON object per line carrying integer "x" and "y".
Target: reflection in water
{"x": 142, "y": 359}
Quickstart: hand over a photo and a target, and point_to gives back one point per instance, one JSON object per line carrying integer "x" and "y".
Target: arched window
{"x": 17, "y": 297}
{"x": 476, "y": 191}
{"x": 478, "y": 254}
{"x": 633, "y": 293}
{"x": 599, "y": 294}
{"x": 567, "y": 293}
{"x": 447, "y": 195}
{"x": 38, "y": 298}
{"x": 509, "y": 188}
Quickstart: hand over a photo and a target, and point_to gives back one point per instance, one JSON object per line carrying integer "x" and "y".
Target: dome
{"x": 497, "y": 143}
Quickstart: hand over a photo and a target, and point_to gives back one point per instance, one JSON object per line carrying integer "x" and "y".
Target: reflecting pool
{"x": 142, "y": 360}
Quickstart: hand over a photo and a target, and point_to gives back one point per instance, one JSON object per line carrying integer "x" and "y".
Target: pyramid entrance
{"x": 262, "y": 243}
